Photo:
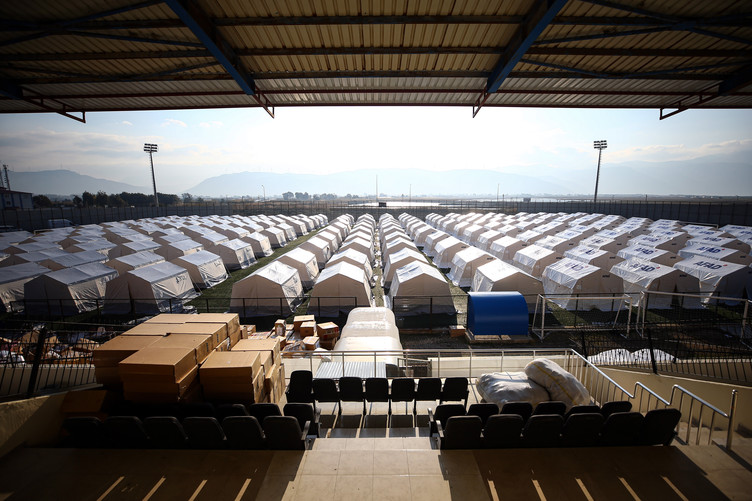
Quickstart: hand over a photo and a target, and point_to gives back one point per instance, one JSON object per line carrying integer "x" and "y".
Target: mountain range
{"x": 66, "y": 182}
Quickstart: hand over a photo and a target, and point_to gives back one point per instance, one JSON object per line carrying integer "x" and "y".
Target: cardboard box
{"x": 298, "y": 321}
{"x": 271, "y": 344}
{"x": 147, "y": 329}
{"x": 119, "y": 348}
{"x": 232, "y": 320}
{"x": 456, "y": 330}
{"x": 271, "y": 379}
{"x": 191, "y": 394}
{"x": 218, "y": 331}
{"x": 234, "y": 337}
{"x": 201, "y": 343}
{"x": 308, "y": 329}
{"x": 238, "y": 392}
{"x": 170, "y": 318}
{"x": 327, "y": 330}
{"x": 327, "y": 344}
{"x": 174, "y": 363}
{"x": 140, "y": 383}
{"x": 87, "y": 402}
{"x": 311, "y": 342}
{"x": 108, "y": 376}
{"x": 224, "y": 367}
{"x": 279, "y": 327}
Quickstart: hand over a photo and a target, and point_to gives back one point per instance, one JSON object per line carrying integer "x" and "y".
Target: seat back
{"x": 126, "y": 432}
{"x": 84, "y": 432}
{"x": 658, "y": 427}
{"x": 502, "y": 431}
{"x": 243, "y": 432}
{"x": 582, "y": 409}
{"x": 616, "y": 406}
{"x": 166, "y": 432}
{"x": 455, "y": 388}
{"x": 542, "y": 430}
{"x": 462, "y": 432}
{"x": 429, "y": 389}
{"x": 283, "y": 433}
{"x": 551, "y": 407}
{"x": 226, "y": 410}
{"x": 351, "y": 389}
{"x": 204, "y": 433}
{"x": 197, "y": 409}
{"x": 304, "y": 413}
{"x": 262, "y": 410}
{"x": 443, "y": 413}
{"x": 523, "y": 409}
{"x": 582, "y": 430}
{"x": 621, "y": 428}
{"x": 403, "y": 389}
{"x": 483, "y": 411}
{"x": 300, "y": 387}
{"x": 377, "y": 389}
{"x": 325, "y": 390}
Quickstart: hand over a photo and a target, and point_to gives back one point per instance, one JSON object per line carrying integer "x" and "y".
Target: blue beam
{"x": 539, "y": 17}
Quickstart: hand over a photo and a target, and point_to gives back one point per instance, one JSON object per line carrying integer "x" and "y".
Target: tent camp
{"x": 666, "y": 240}
{"x": 35, "y": 256}
{"x": 640, "y": 275}
{"x": 485, "y": 239}
{"x": 339, "y": 289}
{"x": 331, "y": 237}
{"x": 596, "y": 257}
{"x": 159, "y": 288}
{"x": 603, "y": 243}
{"x": 305, "y": 262}
{"x": 418, "y": 288}
{"x": 356, "y": 258}
{"x": 30, "y": 247}
{"x": 68, "y": 291}
{"x": 135, "y": 261}
{"x": 397, "y": 260}
{"x": 506, "y": 247}
{"x": 432, "y": 240}
{"x": 421, "y": 233}
{"x": 574, "y": 278}
{"x": 236, "y": 254}
{"x": 171, "y": 238}
{"x": 664, "y": 257}
{"x": 126, "y": 248}
{"x": 205, "y": 268}
{"x": 558, "y": 244}
{"x": 718, "y": 278}
{"x": 714, "y": 252}
{"x": 500, "y": 276}
{"x": 530, "y": 236}
{"x": 104, "y": 247}
{"x": 12, "y": 280}
{"x": 534, "y": 259}
{"x": 276, "y": 236}
{"x": 210, "y": 239}
{"x": 320, "y": 248}
{"x": 398, "y": 243}
{"x": 730, "y": 243}
{"x": 71, "y": 260}
{"x": 178, "y": 249}
{"x": 288, "y": 230}
{"x": 274, "y": 290}
{"x": 446, "y": 250}
{"x": 260, "y": 244}
{"x": 361, "y": 245}
{"x": 464, "y": 264}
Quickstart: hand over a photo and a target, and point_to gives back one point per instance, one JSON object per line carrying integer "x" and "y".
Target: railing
{"x": 571, "y": 316}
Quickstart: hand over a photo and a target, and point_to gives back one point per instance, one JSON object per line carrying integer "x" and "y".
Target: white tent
{"x": 68, "y": 291}
{"x": 72, "y": 259}
{"x": 135, "y": 261}
{"x": 331, "y": 237}
{"x": 640, "y": 275}
{"x": 420, "y": 234}
{"x": 500, "y": 276}
{"x": 534, "y": 259}
{"x": 339, "y": 289}
{"x": 530, "y": 236}
{"x": 432, "y": 240}
{"x": 718, "y": 278}
{"x": 236, "y": 254}
{"x": 260, "y": 244}
{"x": 126, "y": 248}
{"x": 178, "y": 249}
{"x": 575, "y": 278}
{"x": 714, "y": 252}
{"x": 159, "y": 288}
{"x": 361, "y": 245}
{"x": 606, "y": 244}
{"x": 356, "y": 258}
{"x": 397, "y": 260}
{"x": 485, "y": 239}
{"x": 665, "y": 240}
{"x": 274, "y": 290}
{"x": 320, "y": 248}
{"x": 276, "y": 236}
{"x": 418, "y": 288}
{"x": 465, "y": 263}
{"x": 731, "y": 243}
{"x": 506, "y": 247}
{"x": 305, "y": 262}
{"x": 30, "y": 247}
{"x": 446, "y": 250}
{"x": 210, "y": 239}
{"x": 557, "y": 244}
{"x": 596, "y": 257}
{"x": 396, "y": 244}
{"x": 104, "y": 247}
{"x": 205, "y": 268}
{"x": 289, "y": 231}
{"x": 664, "y": 257}
{"x": 12, "y": 280}
{"x": 171, "y": 237}
{"x": 35, "y": 256}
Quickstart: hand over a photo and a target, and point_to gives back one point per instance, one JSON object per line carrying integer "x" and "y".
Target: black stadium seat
{"x": 166, "y": 432}
{"x": 300, "y": 388}
{"x": 483, "y": 411}
{"x": 377, "y": 390}
{"x": 262, "y": 410}
{"x": 523, "y": 409}
{"x": 658, "y": 427}
{"x": 460, "y": 432}
{"x": 503, "y": 431}
{"x": 429, "y": 390}
{"x": 542, "y": 430}
{"x": 325, "y": 390}
{"x": 551, "y": 407}
{"x": 455, "y": 389}
{"x": 284, "y": 433}
{"x": 582, "y": 430}
{"x": 351, "y": 390}
{"x": 126, "y": 432}
{"x": 244, "y": 432}
{"x": 304, "y": 413}
{"x": 84, "y": 432}
{"x": 444, "y": 412}
{"x": 621, "y": 428}
{"x": 616, "y": 406}
{"x": 204, "y": 433}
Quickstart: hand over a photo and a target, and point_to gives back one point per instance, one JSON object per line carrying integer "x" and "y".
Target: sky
{"x": 195, "y": 145}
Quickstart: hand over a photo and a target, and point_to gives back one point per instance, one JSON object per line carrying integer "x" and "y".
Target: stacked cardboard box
{"x": 165, "y": 374}
{"x": 328, "y": 334}
{"x": 108, "y": 355}
{"x": 86, "y": 403}
{"x": 233, "y": 376}
{"x": 271, "y": 361}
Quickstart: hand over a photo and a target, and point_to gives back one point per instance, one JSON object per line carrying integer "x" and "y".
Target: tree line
{"x": 102, "y": 199}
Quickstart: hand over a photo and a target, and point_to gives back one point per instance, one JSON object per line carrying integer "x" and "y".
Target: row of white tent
{"x": 147, "y": 265}
{"x": 336, "y": 264}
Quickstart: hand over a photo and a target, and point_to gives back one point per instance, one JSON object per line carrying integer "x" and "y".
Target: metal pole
{"x": 597, "y": 176}
{"x": 154, "y": 180}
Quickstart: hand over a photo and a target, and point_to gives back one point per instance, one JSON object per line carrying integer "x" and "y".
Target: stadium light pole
{"x": 151, "y": 149}
{"x": 600, "y": 146}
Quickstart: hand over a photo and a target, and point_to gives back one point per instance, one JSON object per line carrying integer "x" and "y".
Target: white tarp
{"x": 35, "y": 256}
{"x": 135, "y": 261}
{"x": 485, "y": 239}
{"x": 664, "y": 240}
{"x": 236, "y": 254}
{"x": 465, "y": 263}
{"x": 12, "y": 280}
{"x": 210, "y": 239}
{"x": 68, "y": 291}
{"x": 30, "y": 247}
{"x": 339, "y": 289}
{"x": 205, "y": 268}
{"x": 500, "y": 276}
{"x": 305, "y": 262}
{"x": 715, "y": 252}
{"x": 533, "y": 259}
{"x": 104, "y": 247}
{"x": 274, "y": 290}
{"x": 138, "y": 246}
{"x": 718, "y": 278}
{"x": 731, "y": 243}
{"x": 320, "y": 248}
{"x": 640, "y": 275}
{"x": 72, "y": 259}
{"x": 370, "y": 329}
{"x": 397, "y": 244}
{"x": 664, "y": 257}
{"x": 331, "y": 237}
{"x": 418, "y": 288}
{"x": 596, "y": 257}
{"x": 361, "y": 245}
{"x": 446, "y": 250}
{"x": 606, "y": 244}
{"x": 506, "y": 247}
{"x": 395, "y": 261}
{"x": 159, "y": 288}
{"x": 352, "y": 256}
{"x": 570, "y": 277}
{"x": 557, "y": 244}
{"x": 260, "y": 244}
{"x": 289, "y": 231}
{"x": 432, "y": 240}
{"x": 178, "y": 249}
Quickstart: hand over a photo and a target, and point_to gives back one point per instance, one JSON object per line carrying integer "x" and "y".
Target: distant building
{"x": 10, "y": 199}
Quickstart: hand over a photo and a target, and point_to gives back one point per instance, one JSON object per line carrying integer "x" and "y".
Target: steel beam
{"x": 208, "y": 34}
{"x": 741, "y": 79}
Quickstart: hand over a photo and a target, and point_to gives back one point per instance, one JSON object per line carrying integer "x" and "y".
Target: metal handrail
{"x": 626, "y": 303}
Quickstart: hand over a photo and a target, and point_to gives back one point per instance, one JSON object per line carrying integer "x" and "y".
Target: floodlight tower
{"x": 600, "y": 146}
{"x": 151, "y": 149}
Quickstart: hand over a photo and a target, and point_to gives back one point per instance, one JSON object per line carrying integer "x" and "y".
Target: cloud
{"x": 213, "y": 123}
{"x": 126, "y": 122}
{"x": 668, "y": 152}
{"x": 172, "y": 121}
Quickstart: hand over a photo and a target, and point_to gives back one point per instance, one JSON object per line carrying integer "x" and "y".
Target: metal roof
{"x": 79, "y": 56}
